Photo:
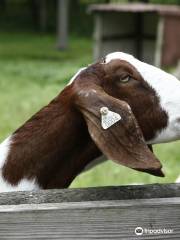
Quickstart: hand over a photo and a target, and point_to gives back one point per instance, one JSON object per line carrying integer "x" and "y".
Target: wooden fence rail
{"x": 93, "y": 213}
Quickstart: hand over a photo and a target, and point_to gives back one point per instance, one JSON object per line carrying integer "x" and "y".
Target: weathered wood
{"x": 92, "y": 194}
{"x": 91, "y": 220}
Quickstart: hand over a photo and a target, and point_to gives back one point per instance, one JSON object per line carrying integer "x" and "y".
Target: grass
{"x": 32, "y": 72}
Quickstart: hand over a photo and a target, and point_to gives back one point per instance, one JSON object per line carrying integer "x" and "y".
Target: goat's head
{"x": 151, "y": 94}
{"x": 116, "y": 84}
{"x": 68, "y": 133}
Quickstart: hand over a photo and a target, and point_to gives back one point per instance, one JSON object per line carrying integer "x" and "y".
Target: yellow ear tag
{"x": 108, "y": 118}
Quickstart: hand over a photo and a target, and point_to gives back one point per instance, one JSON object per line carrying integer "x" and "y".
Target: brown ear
{"x": 123, "y": 142}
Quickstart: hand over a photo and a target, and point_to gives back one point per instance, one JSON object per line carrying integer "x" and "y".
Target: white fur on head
{"x": 167, "y": 88}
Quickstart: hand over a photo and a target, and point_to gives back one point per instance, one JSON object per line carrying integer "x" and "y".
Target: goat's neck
{"x": 52, "y": 147}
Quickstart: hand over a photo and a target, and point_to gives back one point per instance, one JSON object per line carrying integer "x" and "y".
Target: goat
{"x": 59, "y": 141}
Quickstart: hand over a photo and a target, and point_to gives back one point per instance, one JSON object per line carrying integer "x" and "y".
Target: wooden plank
{"x": 91, "y": 204}
{"x": 117, "y": 37}
{"x": 92, "y": 194}
{"x": 92, "y": 220}
{"x": 135, "y": 7}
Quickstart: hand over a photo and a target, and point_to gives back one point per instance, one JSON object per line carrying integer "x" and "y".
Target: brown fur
{"x": 50, "y": 146}
{"x": 54, "y": 145}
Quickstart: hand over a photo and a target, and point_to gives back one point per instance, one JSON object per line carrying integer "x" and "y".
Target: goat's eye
{"x": 125, "y": 79}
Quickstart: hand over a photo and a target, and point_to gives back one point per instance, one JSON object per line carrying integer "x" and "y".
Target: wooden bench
{"x": 92, "y": 213}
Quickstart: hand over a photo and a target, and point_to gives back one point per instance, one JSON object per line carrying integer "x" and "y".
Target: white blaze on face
{"x": 167, "y": 88}
{"x": 24, "y": 184}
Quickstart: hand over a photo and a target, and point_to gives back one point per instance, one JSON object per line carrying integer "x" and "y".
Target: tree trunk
{"x": 62, "y": 24}
{"x": 39, "y": 14}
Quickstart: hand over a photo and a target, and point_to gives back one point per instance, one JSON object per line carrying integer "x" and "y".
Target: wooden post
{"x": 62, "y": 24}
{"x": 159, "y": 42}
{"x": 98, "y": 34}
{"x": 139, "y": 35}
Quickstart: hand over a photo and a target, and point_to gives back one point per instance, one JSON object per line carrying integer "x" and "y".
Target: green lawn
{"x": 32, "y": 72}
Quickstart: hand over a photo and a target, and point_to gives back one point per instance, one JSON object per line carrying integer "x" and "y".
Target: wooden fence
{"x": 93, "y": 213}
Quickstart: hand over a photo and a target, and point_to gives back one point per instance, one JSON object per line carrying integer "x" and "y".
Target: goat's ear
{"x": 122, "y": 141}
